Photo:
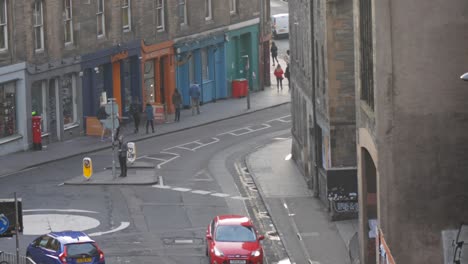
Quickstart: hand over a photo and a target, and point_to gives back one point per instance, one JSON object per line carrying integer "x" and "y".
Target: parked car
{"x": 280, "y": 25}
{"x": 233, "y": 239}
{"x": 70, "y": 247}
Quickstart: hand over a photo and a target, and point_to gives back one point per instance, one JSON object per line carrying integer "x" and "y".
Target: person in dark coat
{"x": 135, "y": 112}
{"x": 149, "y": 117}
{"x": 274, "y": 53}
{"x": 122, "y": 152}
{"x": 177, "y": 101}
{"x": 287, "y": 74}
{"x": 102, "y": 116}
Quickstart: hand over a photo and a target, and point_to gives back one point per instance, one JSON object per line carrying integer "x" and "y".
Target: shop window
{"x": 160, "y": 15}
{"x": 101, "y": 22}
{"x": 69, "y": 106}
{"x": 39, "y": 102}
{"x": 204, "y": 57}
{"x": 126, "y": 15}
{"x": 68, "y": 21}
{"x": 149, "y": 81}
{"x": 183, "y": 12}
{"x": 3, "y": 25}
{"x": 8, "y": 109}
{"x": 38, "y": 26}
{"x": 127, "y": 76}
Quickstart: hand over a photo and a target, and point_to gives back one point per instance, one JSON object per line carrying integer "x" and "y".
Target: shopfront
{"x": 158, "y": 64}
{"x": 111, "y": 73}
{"x": 13, "y": 120}
{"x": 201, "y": 59}
{"x": 242, "y": 54}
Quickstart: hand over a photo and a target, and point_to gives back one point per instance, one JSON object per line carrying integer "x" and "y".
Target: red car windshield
{"x": 81, "y": 249}
{"x": 237, "y": 233}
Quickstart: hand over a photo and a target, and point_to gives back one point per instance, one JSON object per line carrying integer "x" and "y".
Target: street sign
{"x": 112, "y": 121}
{"x": 4, "y": 223}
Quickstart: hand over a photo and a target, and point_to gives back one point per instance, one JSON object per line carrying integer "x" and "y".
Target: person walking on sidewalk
{"x": 177, "y": 101}
{"x": 149, "y": 117}
{"x": 122, "y": 152}
{"x": 279, "y": 77}
{"x": 135, "y": 112}
{"x": 102, "y": 116}
{"x": 274, "y": 53}
{"x": 287, "y": 74}
{"x": 194, "y": 93}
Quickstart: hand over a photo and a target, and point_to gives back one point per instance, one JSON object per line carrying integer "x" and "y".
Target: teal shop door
{"x": 246, "y": 57}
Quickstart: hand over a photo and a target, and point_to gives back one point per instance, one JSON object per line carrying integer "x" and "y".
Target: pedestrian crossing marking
{"x": 220, "y": 194}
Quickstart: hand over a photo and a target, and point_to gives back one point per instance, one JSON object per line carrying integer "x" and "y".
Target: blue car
{"x": 70, "y": 247}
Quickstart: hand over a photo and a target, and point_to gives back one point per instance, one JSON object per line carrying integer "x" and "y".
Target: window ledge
{"x": 39, "y": 51}
{"x": 160, "y": 30}
{"x": 10, "y": 139}
{"x": 125, "y": 30}
{"x": 103, "y": 36}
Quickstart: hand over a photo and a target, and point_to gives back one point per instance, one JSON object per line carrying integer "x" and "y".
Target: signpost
{"x": 4, "y": 223}
{"x": 131, "y": 152}
{"x": 112, "y": 123}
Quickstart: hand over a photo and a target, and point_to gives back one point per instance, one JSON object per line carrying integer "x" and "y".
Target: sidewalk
{"x": 301, "y": 220}
{"x": 210, "y": 112}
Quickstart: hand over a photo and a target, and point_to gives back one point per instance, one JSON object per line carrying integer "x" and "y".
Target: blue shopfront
{"x": 113, "y": 72}
{"x": 201, "y": 60}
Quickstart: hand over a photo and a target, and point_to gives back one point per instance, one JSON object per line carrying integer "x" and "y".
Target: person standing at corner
{"x": 279, "y": 77}
{"x": 194, "y": 93}
{"x": 287, "y": 74}
{"x": 122, "y": 152}
{"x": 149, "y": 117}
{"x": 135, "y": 112}
{"x": 274, "y": 53}
{"x": 177, "y": 101}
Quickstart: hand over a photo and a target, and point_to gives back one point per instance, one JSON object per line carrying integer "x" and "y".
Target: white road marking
{"x": 183, "y": 241}
{"x": 161, "y": 186}
{"x": 285, "y": 205}
{"x": 60, "y": 210}
{"x": 38, "y": 224}
{"x": 240, "y": 198}
{"x": 220, "y": 194}
{"x": 122, "y": 226}
{"x": 169, "y": 160}
{"x": 281, "y": 119}
{"x": 181, "y": 189}
{"x": 288, "y": 157}
{"x": 200, "y": 192}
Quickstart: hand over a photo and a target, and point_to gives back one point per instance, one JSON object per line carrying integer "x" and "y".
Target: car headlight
{"x": 218, "y": 252}
{"x": 256, "y": 253}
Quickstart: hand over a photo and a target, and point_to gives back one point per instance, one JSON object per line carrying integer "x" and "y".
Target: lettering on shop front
{"x": 346, "y": 206}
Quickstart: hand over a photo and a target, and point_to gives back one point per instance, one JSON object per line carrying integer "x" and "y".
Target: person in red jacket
{"x": 279, "y": 77}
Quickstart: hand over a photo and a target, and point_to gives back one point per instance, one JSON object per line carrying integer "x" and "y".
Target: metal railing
{"x": 10, "y": 258}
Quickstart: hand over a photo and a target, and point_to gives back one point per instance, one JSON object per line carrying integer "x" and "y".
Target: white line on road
{"x": 161, "y": 186}
{"x": 200, "y": 192}
{"x": 181, "y": 189}
{"x": 60, "y": 210}
{"x": 240, "y": 198}
{"x": 183, "y": 241}
{"x": 122, "y": 226}
{"x": 220, "y": 194}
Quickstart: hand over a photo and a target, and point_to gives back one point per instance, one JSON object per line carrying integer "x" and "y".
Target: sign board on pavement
{"x": 7, "y": 211}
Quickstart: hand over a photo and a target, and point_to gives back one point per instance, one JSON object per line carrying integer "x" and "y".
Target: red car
{"x": 232, "y": 239}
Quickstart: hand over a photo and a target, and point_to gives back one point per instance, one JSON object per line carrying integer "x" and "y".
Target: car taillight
{"x": 101, "y": 254}
{"x": 63, "y": 256}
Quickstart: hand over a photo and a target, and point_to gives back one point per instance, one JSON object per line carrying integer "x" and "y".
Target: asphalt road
{"x": 201, "y": 170}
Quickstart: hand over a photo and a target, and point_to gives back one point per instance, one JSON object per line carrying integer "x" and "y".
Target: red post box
{"x": 36, "y": 129}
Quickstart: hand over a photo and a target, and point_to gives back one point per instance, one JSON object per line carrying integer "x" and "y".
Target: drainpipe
{"x": 315, "y": 179}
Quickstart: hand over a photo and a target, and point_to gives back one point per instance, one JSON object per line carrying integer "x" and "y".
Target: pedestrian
{"x": 287, "y": 58}
{"x": 149, "y": 117}
{"x": 122, "y": 152}
{"x": 287, "y": 74}
{"x": 177, "y": 101}
{"x": 274, "y": 53}
{"x": 102, "y": 116}
{"x": 279, "y": 77}
{"x": 135, "y": 112}
{"x": 194, "y": 93}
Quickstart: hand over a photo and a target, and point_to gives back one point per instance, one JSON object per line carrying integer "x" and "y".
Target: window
{"x": 100, "y": 19}
{"x": 232, "y": 6}
{"x": 367, "y": 64}
{"x": 38, "y": 26}
{"x": 126, "y": 15}
{"x": 183, "y": 12}
{"x": 204, "y": 59}
{"x": 68, "y": 23}
{"x": 3, "y": 25}
{"x": 7, "y": 109}
{"x": 208, "y": 14}
{"x": 160, "y": 15}
{"x": 69, "y": 106}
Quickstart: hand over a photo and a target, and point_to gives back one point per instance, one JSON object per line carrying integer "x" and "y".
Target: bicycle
{"x": 3, "y": 261}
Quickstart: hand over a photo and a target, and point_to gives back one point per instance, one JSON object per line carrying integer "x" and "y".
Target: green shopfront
{"x": 242, "y": 55}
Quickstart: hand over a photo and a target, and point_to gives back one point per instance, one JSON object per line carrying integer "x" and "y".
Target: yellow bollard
{"x": 87, "y": 168}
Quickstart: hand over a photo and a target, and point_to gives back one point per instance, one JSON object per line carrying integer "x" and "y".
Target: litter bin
{"x": 36, "y": 131}
{"x": 239, "y": 88}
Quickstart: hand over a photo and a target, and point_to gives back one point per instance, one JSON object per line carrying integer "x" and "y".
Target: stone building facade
{"x": 74, "y": 51}
{"x": 411, "y": 129}
{"x": 323, "y": 104}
